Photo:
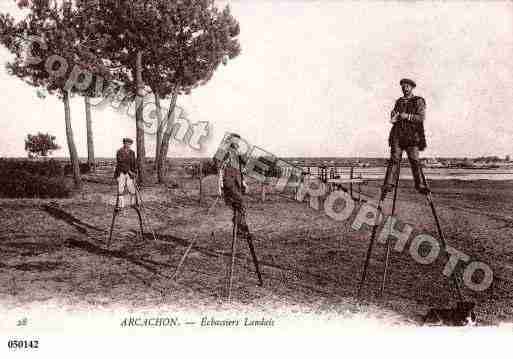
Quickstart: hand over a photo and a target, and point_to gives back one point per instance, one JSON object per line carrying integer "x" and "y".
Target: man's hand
{"x": 393, "y": 119}
{"x": 403, "y": 116}
{"x": 245, "y": 187}
{"x": 131, "y": 174}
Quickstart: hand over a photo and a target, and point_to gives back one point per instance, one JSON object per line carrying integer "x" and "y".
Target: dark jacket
{"x": 125, "y": 161}
{"x": 409, "y": 132}
{"x": 233, "y": 188}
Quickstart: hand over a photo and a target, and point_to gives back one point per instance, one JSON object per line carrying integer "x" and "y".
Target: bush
{"x": 84, "y": 168}
{"x": 209, "y": 167}
{"x": 21, "y": 184}
{"x": 47, "y": 168}
{"x": 40, "y": 144}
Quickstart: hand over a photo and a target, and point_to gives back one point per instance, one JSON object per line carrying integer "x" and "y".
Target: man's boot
{"x": 391, "y": 171}
{"x": 421, "y": 188}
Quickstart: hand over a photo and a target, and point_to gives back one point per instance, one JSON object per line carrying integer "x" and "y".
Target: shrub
{"x": 47, "y": 168}
{"x": 209, "y": 167}
{"x": 84, "y": 168}
{"x": 40, "y": 144}
{"x": 18, "y": 183}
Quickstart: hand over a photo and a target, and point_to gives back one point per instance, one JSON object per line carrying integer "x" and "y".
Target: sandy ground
{"x": 307, "y": 259}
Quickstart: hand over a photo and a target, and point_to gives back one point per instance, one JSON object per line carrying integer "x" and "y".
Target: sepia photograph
{"x": 212, "y": 170}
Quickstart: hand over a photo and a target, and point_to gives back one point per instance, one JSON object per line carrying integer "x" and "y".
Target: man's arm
{"x": 420, "y": 114}
{"x": 394, "y": 114}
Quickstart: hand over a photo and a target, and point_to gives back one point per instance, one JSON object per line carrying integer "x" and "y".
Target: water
{"x": 499, "y": 174}
{"x": 378, "y": 172}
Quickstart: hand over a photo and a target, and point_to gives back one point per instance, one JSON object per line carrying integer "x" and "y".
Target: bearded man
{"x": 407, "y": 134}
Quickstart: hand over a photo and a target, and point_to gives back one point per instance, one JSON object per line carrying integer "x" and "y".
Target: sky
{"x": 319, "y": 78}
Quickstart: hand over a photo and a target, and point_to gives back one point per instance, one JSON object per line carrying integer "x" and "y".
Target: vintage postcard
{"x": 255, "y": 178}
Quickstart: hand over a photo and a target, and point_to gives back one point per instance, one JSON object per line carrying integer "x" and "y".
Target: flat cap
{"x": 408, "y": 81}
{"x": 128, "y": 140}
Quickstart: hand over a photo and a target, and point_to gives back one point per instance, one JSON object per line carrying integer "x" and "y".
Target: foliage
{"x": 41, "y": 144}
{"x": 22, "y": 184}
{"x": 84, "y": 168}
{"x": 175, "y": 46}
{"x": 52, "y": 26}
{"x": 209, "y": 167}
{"x": 180, "y": 44}
{"x": 41, "y": 179}
{"x": 48, "y": 168}
{"x": 56, "y": 57}
{"x": 488, "y": 159}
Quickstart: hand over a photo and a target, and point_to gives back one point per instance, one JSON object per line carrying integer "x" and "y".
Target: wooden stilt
{"x": 440, "y": 232}
{"x": 232, "y": 264}
{"x": 373, "y": 235}
{"x": 388, "y": 242}
{"x": 136, "y": 207}
{"x": 454, "y": 279}
{"x": 114, "y": 214}
{"x": 255, "y": 259}
{"x": 186, "y": 253}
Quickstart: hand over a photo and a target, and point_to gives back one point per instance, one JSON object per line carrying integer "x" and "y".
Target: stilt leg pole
{"x": 140, "y": 204}
{"x": 351, "y": 182}
{"x": 369, "y": 250}
{"x": 440, "y": 232}
{"x": 232, "y": 264}
{"x": 387, "y": 252}
{"x": 255, "y": 259}
{"x": 373, "y": 235}
{"x": 114, "y": 214}
{"x": 186, "y": 253}
{"x": 136, "y": 207}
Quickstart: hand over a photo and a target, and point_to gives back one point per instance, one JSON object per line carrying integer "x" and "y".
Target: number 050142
{"x": 23, "y": 344}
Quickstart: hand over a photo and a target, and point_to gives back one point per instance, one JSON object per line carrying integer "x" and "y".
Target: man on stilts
{"x": 407, "y": 134}
{"x": 125, "y": 172}
{"x": 232, "y": 187}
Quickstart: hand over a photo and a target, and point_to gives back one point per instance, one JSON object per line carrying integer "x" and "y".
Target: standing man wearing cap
{"x": 232, "y": 185}
{"x": 407, "y": 134}
{"x": 125, "y": 170}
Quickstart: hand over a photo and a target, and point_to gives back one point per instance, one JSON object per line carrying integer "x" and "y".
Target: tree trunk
{"x": 141, "y": 153}
{"x": 160, "y": 129}
{"x": 71, "y": 143}
{"x": 166, "y": 137}
{"x": 200, "y": 181}
{"x": 89, "y": 129}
